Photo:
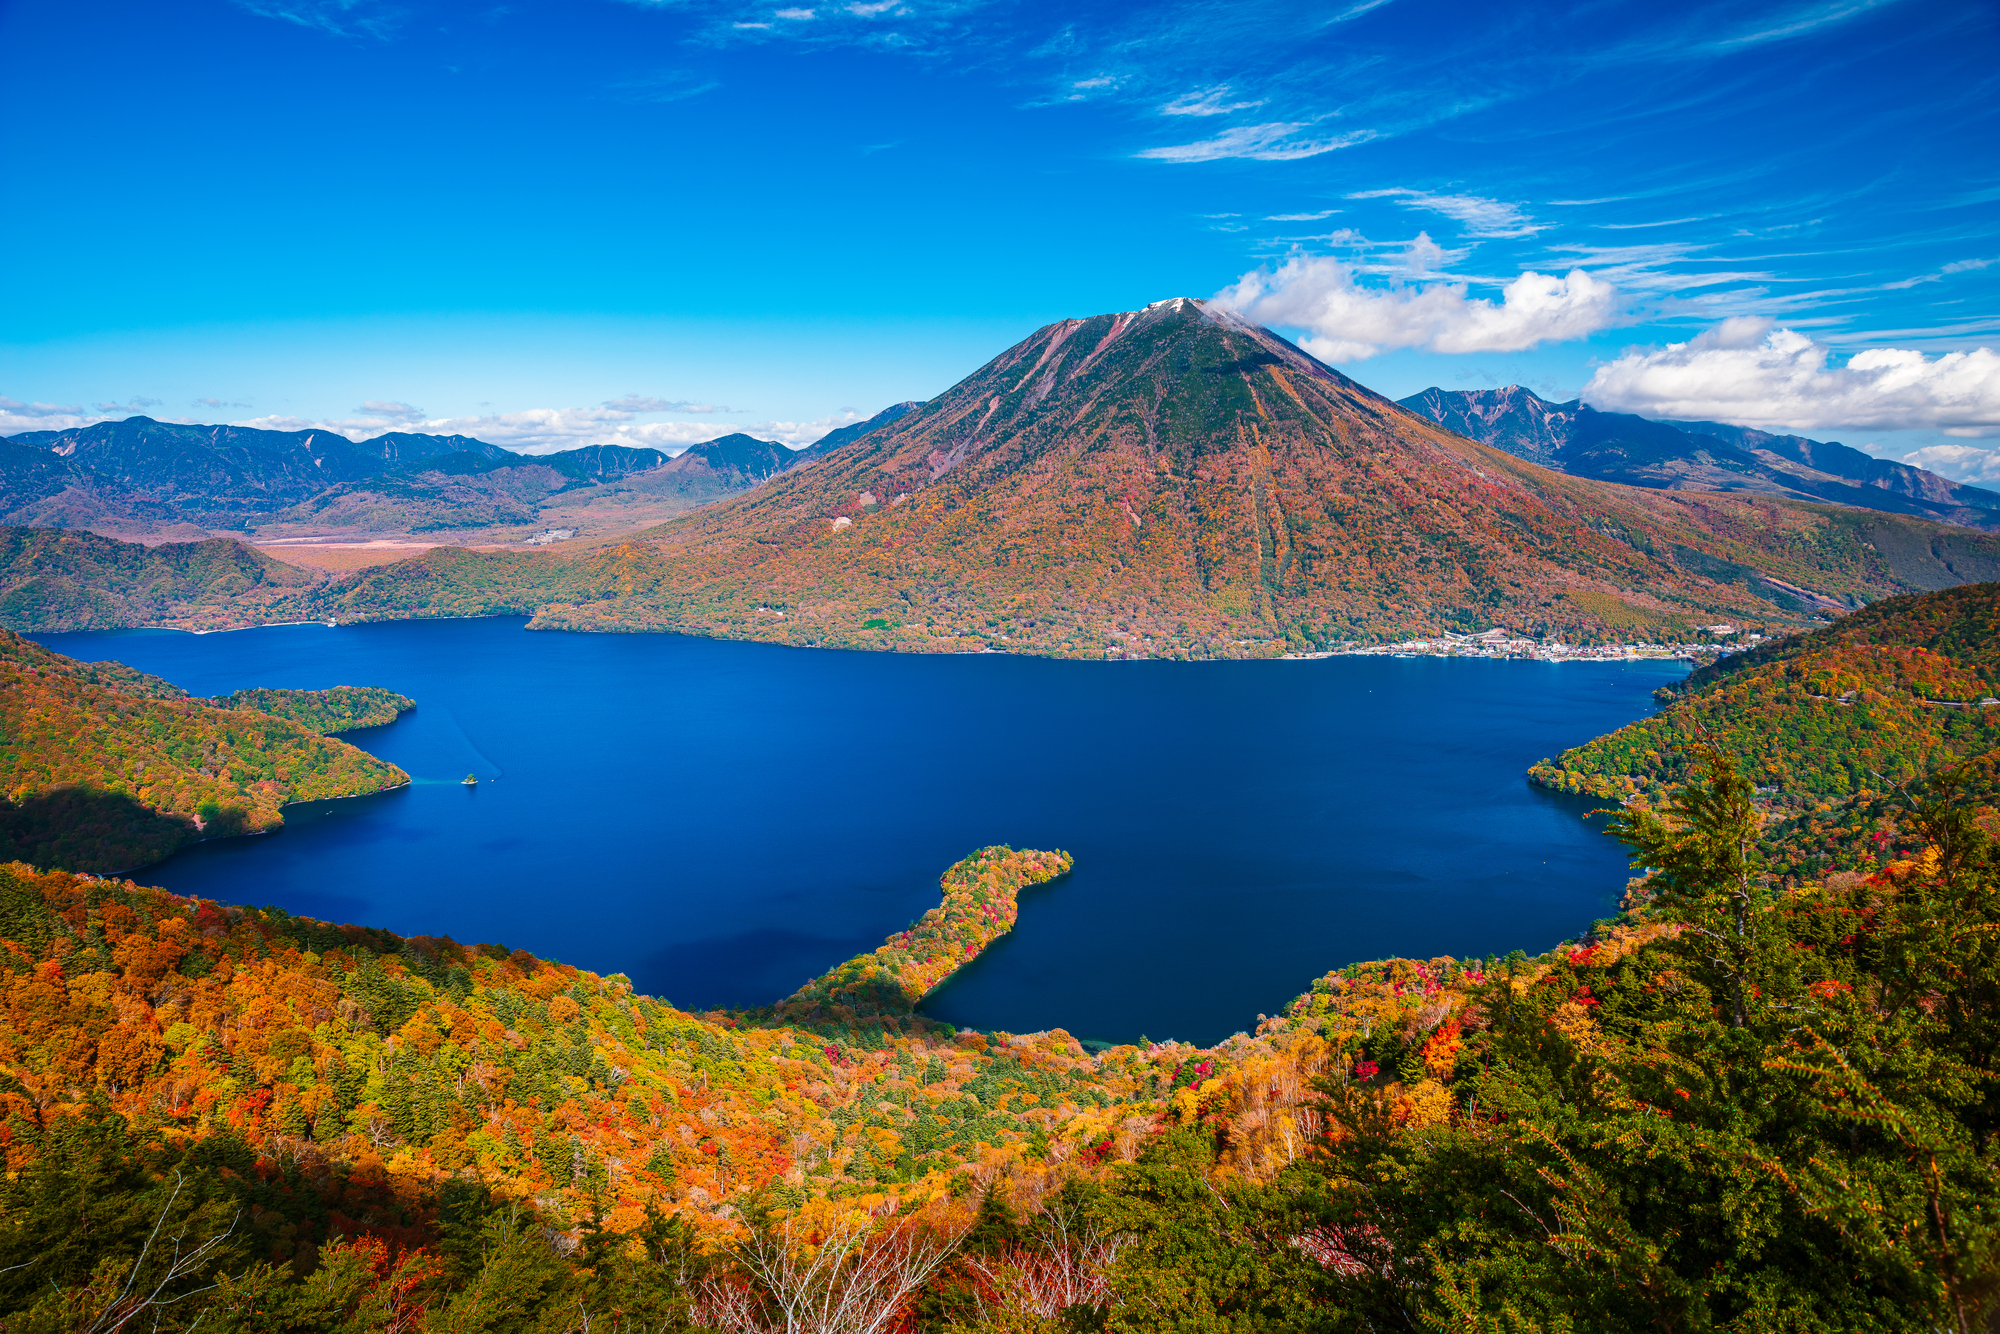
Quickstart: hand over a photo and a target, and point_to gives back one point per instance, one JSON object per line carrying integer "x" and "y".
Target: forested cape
{"x": 103, "y": 768}
{"x": 1830, "y": 726}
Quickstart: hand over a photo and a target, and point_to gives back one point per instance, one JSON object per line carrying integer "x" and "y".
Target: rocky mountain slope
{"x": 833, "y": 440}
{"x": 1574, "y": 438}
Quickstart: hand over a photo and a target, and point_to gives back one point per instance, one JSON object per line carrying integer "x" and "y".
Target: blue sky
{"x": 555, "y": 223}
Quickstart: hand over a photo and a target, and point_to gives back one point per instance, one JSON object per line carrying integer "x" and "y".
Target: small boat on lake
{"x": 472, "y": 780}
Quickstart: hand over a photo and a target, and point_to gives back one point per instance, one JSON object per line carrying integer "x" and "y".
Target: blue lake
{"x": 723, "y": 821}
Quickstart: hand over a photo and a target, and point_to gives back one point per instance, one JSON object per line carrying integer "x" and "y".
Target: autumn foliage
{"x": 104, "y": 768}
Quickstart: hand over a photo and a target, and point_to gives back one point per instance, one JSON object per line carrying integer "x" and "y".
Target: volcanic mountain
{"x": 1174, "y": 480}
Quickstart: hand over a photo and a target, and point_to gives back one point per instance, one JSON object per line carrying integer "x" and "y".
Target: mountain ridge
{"x": 1174, "y": 464}
{"x": 1574, "y": 438}
{"x": 152, "y": 480}
{"x": 1172, "y": 481}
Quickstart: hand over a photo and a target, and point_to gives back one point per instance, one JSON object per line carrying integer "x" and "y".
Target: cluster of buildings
{"x": 1504, "y": 644}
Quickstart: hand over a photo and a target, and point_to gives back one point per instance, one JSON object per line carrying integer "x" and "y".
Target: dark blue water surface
{"x": 724, "y": 820}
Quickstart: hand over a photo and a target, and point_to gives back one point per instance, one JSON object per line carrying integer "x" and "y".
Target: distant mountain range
{"x": 150, "y": 479}
{"x": 1171, "y": 481}
{"x": 1577, "y": 439}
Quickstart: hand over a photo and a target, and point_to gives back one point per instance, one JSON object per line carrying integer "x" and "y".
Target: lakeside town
{"x": 1500, "y": 643}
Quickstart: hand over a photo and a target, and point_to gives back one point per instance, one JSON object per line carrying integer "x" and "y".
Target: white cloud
{"x": 1276, "y": 141}
{"x": 549, "y": 430}
{"x": 532, "y": 431}
{"x": 1207, "y": 102}
{"x": 637, "y": 403}
{"x": 1302, "y": 217}
{"x": 667, "y": 86}
{"x": 342, "y": 18}
{"x": 794, "y": 14}
{"x": 1480, "y": 217}
{"x": 1345, "y": 321}
{"x": 16, "y": 416}
{"x": 1961, "y": 463}
{"x": 1747, "y": 372}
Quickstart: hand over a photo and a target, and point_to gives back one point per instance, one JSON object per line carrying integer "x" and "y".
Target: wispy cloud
{"x": 1479, "y": 217}
{"x": 1208, "y": 102}
{"x": 1645, "y": 226}
{"x": 1800, "y": 21}
{"x": 390, "y": 410}
{"x": 638, "y": 404}
{"x": 341, "y": 18}
{"x": 666, "y": 86}
{"x": 1302, "y": 217}
{"x": 1275, "y": 141}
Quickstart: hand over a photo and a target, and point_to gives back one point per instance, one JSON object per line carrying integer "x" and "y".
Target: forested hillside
{"x": 1884, "y": 696}
{"x": 338, "y": 709}
{"x": 1761, "y": 1098}
{"x": 59, "y": 579}
{"x": 1744, "y": 1106}
{"x": 103, "y": 768}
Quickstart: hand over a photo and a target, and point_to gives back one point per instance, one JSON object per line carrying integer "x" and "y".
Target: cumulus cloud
{"x": 535, "y": 431}
{"x": 1345, "y": 321}
{"x": 1963, "y": 463}
{"x": 1747, "y": 371}
{"x": 1274, "y": 141}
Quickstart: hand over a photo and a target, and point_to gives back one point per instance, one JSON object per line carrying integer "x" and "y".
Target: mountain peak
{"x": 1178, "y": 480}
